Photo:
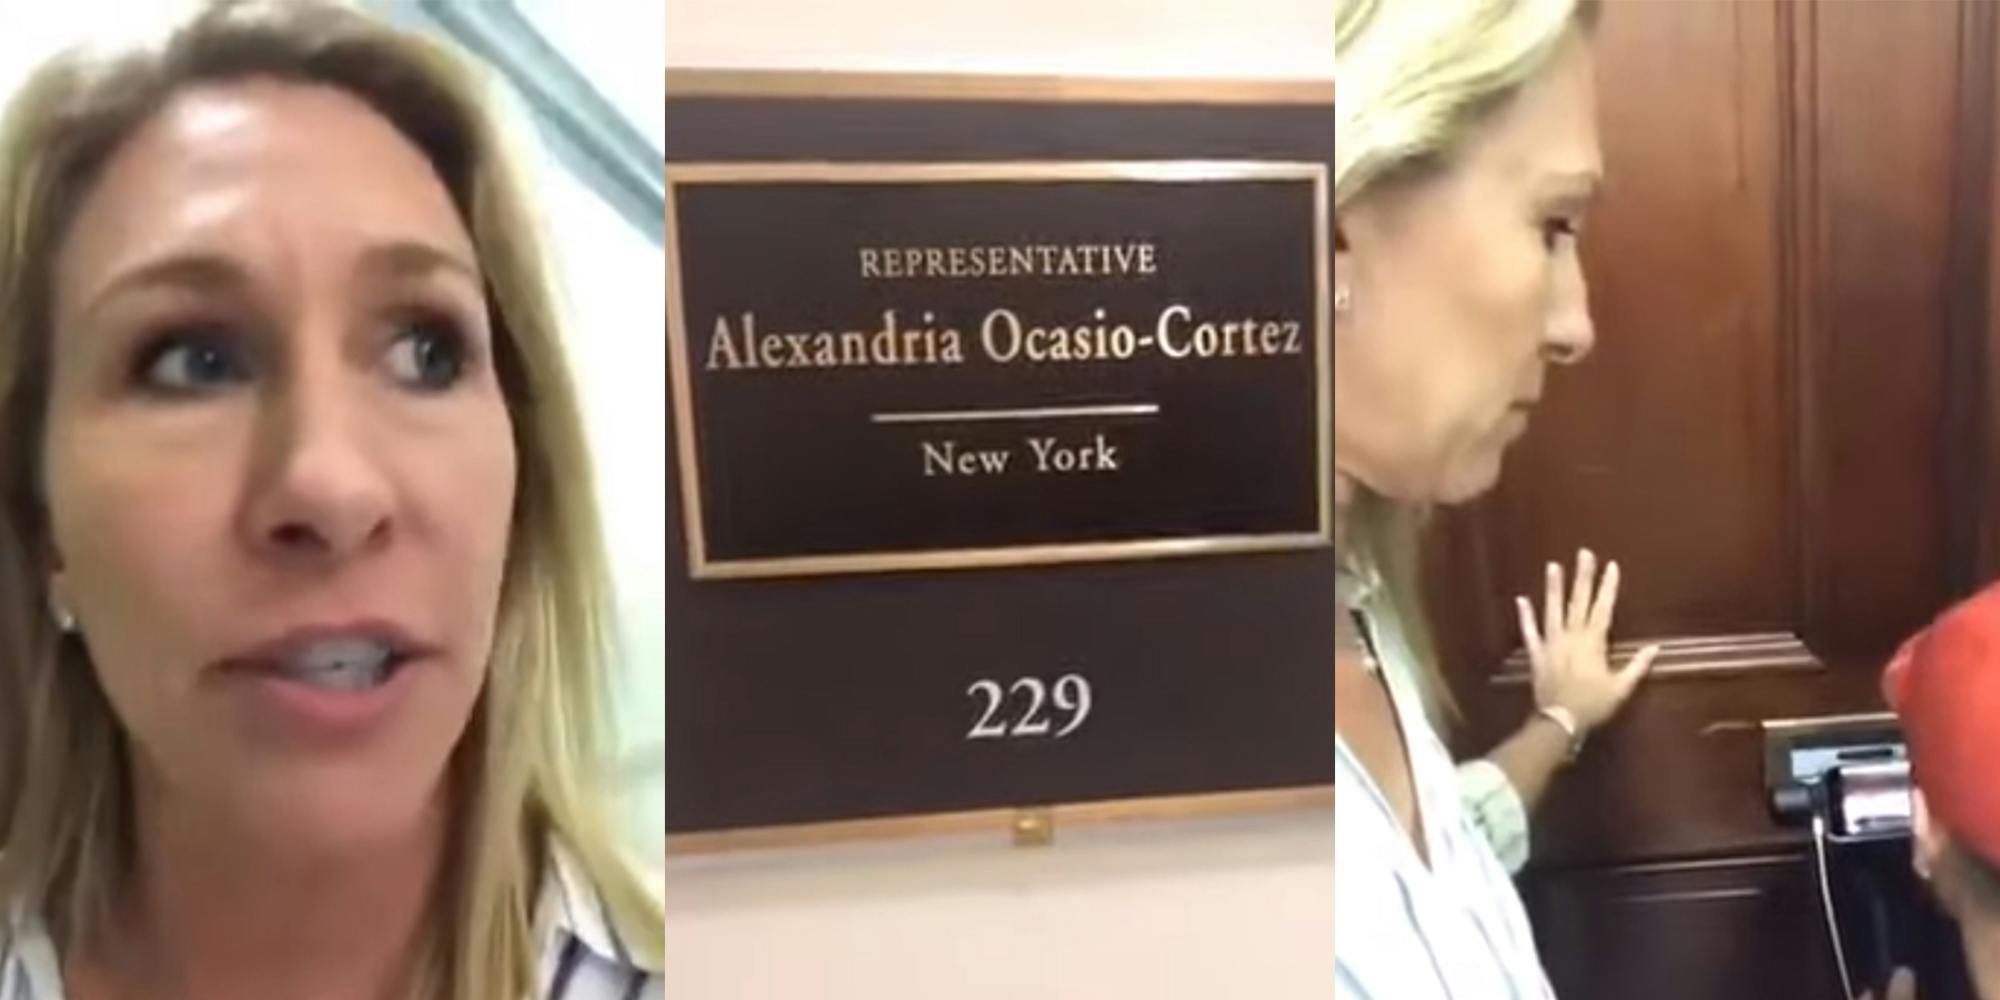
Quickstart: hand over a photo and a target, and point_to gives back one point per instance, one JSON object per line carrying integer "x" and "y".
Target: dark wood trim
{"x": 1801, "y": 260}
{"x": 1988, "y": 510}
{"x": 1873, "y": 223}
{"x": 1963, "y": 442}
{"x": 1986, "y": 501}
{"x": 1695, "y": 655}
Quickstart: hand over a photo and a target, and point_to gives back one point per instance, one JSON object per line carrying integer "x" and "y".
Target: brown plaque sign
{"x": 983, "y": 364}
{"x": 949, "y": 376}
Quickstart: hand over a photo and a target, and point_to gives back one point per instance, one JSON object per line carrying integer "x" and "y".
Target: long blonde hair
{"x": 1411, "y": 78}
{"x": 527, "y": 772}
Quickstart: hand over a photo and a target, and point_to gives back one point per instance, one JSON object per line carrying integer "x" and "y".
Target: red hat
{"x": 1945, "y": 684}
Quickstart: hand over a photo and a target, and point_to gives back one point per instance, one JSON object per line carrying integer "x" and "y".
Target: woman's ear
{"x": 62, "y": 610}
{"x": 59, "y": 605}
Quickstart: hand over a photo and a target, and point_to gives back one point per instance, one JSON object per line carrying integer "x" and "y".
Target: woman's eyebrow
{"x": 197, "y": 270}
{"x": 1573, "y": 188}
{"x": 210, "y": 271}
{"x": 406, "y": 258}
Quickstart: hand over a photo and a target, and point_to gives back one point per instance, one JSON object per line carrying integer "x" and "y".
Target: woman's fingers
{"x": 1637, "y": 668}
{"x": 1580, "y": 589}
{"x": 1552, "y": 604}
{"x": 1531, "y": 637}
{"x": 1607, "y": 600}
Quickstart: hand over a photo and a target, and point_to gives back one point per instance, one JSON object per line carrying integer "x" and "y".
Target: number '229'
{"x": 1034, "y": 698}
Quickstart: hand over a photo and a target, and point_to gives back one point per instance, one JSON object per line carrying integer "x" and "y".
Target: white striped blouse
{"x": 582, "y": 955}
{"x": 1450, "y": 929}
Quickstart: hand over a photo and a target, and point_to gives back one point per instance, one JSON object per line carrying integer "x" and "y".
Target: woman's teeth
{"x": 340, "y": 664}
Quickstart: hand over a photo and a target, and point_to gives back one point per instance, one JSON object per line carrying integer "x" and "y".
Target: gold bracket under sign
{"x": 1034, "y": 827}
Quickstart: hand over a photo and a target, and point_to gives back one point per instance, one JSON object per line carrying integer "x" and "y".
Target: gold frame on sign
{"x": 1029, "y": 826}
{"x": 693, "y": 522}
{"x": 1057, "y": 91}
{"x": 889, "y": 86}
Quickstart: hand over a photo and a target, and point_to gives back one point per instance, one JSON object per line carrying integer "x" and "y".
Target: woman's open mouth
{"x": 332, "y": 681}
{"x": 342, "y": 664}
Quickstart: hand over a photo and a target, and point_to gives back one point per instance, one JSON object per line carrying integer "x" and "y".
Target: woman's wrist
{"x": 1572, "y": 728}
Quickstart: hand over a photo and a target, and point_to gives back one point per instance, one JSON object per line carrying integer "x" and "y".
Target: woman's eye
{"x": 428, "y": 354}
{"x": 1555, "y": 230}
{"x": 191, "y": 363}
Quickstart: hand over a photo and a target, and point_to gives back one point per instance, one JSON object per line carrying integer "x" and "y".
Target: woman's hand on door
{"x": 1569, "y": 647}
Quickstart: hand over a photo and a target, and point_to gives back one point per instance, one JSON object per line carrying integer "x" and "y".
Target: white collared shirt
{"x": 582, "y": 956}
{"x": 1452, "y": 928}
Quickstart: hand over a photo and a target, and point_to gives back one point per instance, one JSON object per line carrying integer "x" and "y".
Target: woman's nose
{"x": 323, "y": 493}
{"x": 1570, "y": 334}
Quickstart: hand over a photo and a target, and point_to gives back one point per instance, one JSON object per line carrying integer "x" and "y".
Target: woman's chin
{"x": 1466, "y": 475}
{"x": 1470, "y": 480}
{"x": 333, "y": 815}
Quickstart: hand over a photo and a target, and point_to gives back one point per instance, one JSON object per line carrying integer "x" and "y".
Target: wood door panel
{"x": 1667, "y": 447}
{"x": 1759, "y": 437}
{"x": 1880, "y": 117}
{"x": 1747, "y": 929}
{"x": 1788, "y": 425}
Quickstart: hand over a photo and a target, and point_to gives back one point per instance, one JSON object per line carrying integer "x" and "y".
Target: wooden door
{"x": 1786, "y": 435}
{"x": 1779, "y": 275}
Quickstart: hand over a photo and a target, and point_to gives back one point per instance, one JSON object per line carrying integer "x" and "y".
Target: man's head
{"x": 1945, "y": 685}
{"x": 1967, "y": 885}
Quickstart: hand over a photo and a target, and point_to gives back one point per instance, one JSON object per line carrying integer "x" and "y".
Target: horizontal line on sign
{"x": 1031, "y": 413}
{"x": 994, "y": 171}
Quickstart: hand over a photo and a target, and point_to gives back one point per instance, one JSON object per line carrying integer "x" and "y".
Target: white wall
{"x": 1199, "y": 38}
{"x": 1237, "y": 909}
{"x": 615, "y": 282}
{"x": 1230, "y": 909}
{"x": 613, "y": 279}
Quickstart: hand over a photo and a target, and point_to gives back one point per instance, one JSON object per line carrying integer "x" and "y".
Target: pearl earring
{"x": 65, "y": 619}
{"x": 1343, "y": 300}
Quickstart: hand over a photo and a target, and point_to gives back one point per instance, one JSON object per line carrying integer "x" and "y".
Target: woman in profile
{"x": 303, "y": 605}
{"x": 1466, "y": 153}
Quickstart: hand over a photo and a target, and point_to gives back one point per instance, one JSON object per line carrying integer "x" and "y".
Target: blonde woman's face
{"x": 279, "y": 466}
{"x": 1465, "y": 283}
